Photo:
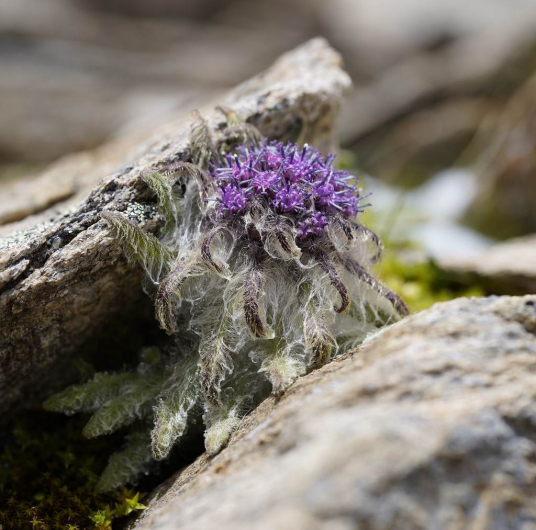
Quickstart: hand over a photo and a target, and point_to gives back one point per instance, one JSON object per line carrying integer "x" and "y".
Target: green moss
{"x": 423, "y": 283}
{"x": 48, "y": 474}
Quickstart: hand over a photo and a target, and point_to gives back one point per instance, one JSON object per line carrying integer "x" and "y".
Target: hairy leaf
{"x": 242, "y": 391}
{"x": 252, "y": 310}
{"x": 140, "y": 246}
{"x": 202, "y": 145}
{"x": 279, "y": 240}
{"x": 233, "y": 119}
{"x": 171, "y": 414}
{"x": 135, "y": 401}
{"x": 162, "y": 185}
{"x": 196, "y": 174}
{"x": 169, "y": 292}
{"x": 91, "y": 395}
{"x": 369, "y": 237}
{"x": 237, "y": 132}
{"x": 215, "y": 361}
{"x": 211, "y": 261}
{"x": 361, "y": 273}
{"x": 319, "y": 342}
{"x": 335, "y": 280}
{"x": 127, "y": 465}
{"x": 221, "y": 422}
{"x": 282, "y": 369}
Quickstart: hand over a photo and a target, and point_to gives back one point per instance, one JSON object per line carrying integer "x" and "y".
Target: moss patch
{"x": 48, "y": 473}
{"x": 422, "y": 284}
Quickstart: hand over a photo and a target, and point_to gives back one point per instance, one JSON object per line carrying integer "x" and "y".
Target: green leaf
{"x": 103, "y": 518}
{"x": 134, "y": 401}
{"x": 126, "y": 465}
{"x": 140, "y": 246}
{"x": 127, "y": 506}
{"x": 171, "y": 414}
{"x": 89, "y": 396}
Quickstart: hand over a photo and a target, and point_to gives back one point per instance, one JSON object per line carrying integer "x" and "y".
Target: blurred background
{"x": 443, "y": 114}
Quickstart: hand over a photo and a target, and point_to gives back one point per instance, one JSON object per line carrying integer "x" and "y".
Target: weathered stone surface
{"x": 506, "y": 200}
{"x": 505, "y": 268}
{"x": 63, "y": 279}
{"x": 430, "y": 425}
{"x": 72, "y": 73}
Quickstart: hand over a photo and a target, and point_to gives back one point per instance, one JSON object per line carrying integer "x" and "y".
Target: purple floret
{"x": 297, "y": 182}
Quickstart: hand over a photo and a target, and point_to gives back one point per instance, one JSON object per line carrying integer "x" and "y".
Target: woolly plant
{"x": 261, "y": 273}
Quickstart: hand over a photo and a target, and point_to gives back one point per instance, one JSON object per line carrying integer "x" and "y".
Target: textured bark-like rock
{"x": 429, "y": 425}
{"x": 62, "y": 280}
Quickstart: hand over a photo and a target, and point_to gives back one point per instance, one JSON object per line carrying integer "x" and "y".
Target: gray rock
{"x": 429, "y": 425}
{"x": 506, "y": 199}
{"x": 504, "y": 268}
{"x": 65, "y": 279}
{"x": 73, "y": 73}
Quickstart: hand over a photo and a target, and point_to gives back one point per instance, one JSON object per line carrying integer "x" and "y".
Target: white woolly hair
{"x": 251, "y": 310}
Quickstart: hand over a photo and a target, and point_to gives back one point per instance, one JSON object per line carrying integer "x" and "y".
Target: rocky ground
{"x": 505, "y": 268}
{"x": 428, "y": 425}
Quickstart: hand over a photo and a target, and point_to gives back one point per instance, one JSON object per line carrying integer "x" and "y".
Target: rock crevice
{"x": 63, "y": 279}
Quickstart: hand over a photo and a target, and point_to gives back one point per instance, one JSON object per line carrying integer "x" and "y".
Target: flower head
{"x": 299, "y": 183}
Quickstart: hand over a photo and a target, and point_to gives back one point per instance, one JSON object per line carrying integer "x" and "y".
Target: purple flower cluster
{"x": 297, "y": 182}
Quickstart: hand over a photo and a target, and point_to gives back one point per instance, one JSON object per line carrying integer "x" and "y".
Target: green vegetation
{"x": 422, "y": 283}
{"x": 48, "y": 474}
